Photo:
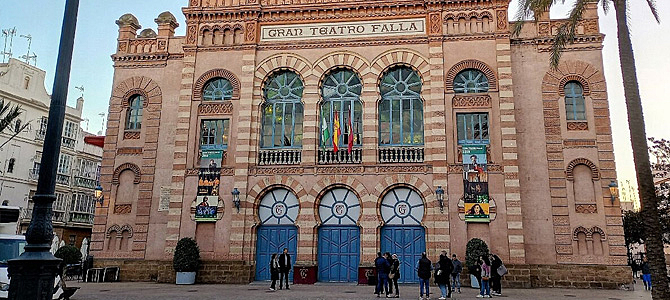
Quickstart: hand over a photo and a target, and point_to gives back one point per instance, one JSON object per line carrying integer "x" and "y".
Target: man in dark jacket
{"x": 284, "y": 268}
{"x": 442, "y": 274}
{"x": 424, "y": 266}
{"x": 646, "y": 274}
{"x": 456, "y": 274}
{"x": 383, "y": 267}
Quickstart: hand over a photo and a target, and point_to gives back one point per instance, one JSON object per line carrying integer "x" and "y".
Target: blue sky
{"x": 97, "y": 32}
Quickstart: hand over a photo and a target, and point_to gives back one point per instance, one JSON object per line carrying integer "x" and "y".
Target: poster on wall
{"x": 206, "y": 209}
{"x": 211, "y": 159}
{"x": 476, "y": 184}
{"x": 207, "y": 200}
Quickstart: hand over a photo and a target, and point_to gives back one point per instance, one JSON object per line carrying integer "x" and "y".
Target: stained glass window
{"x": 471, "y": 81}
{"x": 282, "y": 111}
{"x": 575, "y": 109}
{"x": 341, "y": 92}
{"x": 401, "y": 108}
{"x": 217, "y": 89}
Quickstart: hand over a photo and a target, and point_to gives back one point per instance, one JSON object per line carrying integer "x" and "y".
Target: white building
{"x": 20, "y": 155}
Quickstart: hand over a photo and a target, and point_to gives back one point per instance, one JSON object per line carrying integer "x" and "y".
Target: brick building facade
{"x": 413, "y": 86}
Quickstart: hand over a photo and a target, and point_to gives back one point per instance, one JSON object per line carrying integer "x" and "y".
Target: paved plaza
{"x": 255, "y": 291}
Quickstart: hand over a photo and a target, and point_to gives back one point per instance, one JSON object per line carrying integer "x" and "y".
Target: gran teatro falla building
{"x": 339, "y": 128}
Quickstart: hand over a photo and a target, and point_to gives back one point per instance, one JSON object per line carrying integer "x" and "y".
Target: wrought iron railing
{"x": 63, "y": 179}
{"x": 343, "y": 156}
{"x": 85, "y": 182}
{"x": 84, "y": 218}
{"x": 401, "y": 155}
{"x": 279, "y": 157}
{"x": 40, "y": 134}
{"x": 34, "y": 174}
{"x": 69, "y": 143}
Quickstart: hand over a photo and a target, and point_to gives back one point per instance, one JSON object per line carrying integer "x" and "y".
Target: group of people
{"x": 388, "y": 273}
{"x": 489, "y": 271}
{"x": 280, "y": 267}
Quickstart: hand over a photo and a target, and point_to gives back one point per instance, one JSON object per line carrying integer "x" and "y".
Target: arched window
{"x": 134, "y": 114}
{"x": 217, "y": 89}
{"x": 401, "y": 108}
{"x": 282, "y": 111}
{"x": 575, "y": 109}
{"x": 471, "y": 81}
{"x": 341, "y": 92}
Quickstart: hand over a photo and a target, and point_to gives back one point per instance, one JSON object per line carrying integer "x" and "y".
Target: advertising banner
{"x": 208, "y": 194}
{"x": 475, "y": 184}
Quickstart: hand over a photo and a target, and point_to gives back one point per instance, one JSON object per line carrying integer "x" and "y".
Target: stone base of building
{"x": 565, "y": 276}
{"x": 520, "y": 276}
{"x": 232, "y": 272}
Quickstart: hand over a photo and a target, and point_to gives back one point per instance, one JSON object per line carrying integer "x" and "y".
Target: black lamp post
{"x": 614, "y": 191}
{"x": 32, "y": 274}
{"x": 439, "y": 194}
{"x": 236, "y": 198}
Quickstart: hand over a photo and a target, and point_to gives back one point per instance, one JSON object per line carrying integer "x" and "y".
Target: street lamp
{"x": 236, "y": 199}
{"x": 34, "y": 271}
{"x": 614, "y": 191}
{"x": 98, "y": 195}
{"x": 439, "y": 194}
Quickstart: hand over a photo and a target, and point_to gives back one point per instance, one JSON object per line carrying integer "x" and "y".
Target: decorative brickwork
{"x": 209, "y": 75}
{"x": 471, "y": 64}
{"x": 161, "y": 271}
{"x": 595, "y": 174}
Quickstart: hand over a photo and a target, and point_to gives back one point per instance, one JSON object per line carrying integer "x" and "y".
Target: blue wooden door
{"x": 408, "y": 242}
{"x": 273, "y": 239}
{"x": 339, "y": 253}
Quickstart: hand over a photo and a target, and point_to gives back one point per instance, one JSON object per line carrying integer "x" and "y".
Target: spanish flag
{"x": 336, "y": 131}
{"x": 350, "y": 143}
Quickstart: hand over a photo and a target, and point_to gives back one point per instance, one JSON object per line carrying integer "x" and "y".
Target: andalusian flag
{"x": 351, "y": 135}
{"x": 325, "y": 134}
{"x": 336, "y": 131}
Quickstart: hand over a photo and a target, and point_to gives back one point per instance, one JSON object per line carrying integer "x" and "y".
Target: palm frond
{"x": 606, "y": 6}
{"x": 7, "y": 114}
{"x": 528, "y": 9}
{"x": 567, "y": 31}
{"x": 654, "y": 11}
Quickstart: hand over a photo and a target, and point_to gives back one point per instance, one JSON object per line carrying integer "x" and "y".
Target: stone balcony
{"x": 272, "y": 157}
{"x": 328, "y": 157}
{"x": 401, "y": 154}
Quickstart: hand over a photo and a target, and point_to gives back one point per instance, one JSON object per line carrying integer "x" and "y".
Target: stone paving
{"x": 254, "y": 291}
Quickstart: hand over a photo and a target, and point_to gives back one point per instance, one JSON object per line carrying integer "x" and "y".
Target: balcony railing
{"x": 85, "y": 182}
{"x": 401, "y": 155}
{"x": 328, "y": 157}
{"x": 40, "y": 134}
{"x": 69, "y": 143}
{"x": 60, "y": 217}
{"x": 85, "y": 218}
{"x": 63, "y": 179}
{"x": 34, "y": 174}
{"x": 279, "y": 157}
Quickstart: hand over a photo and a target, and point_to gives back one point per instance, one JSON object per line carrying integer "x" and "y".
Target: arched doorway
{"x": 277, "y": 211}
{"x": 339, "y": 236}
{"x": 402, "y": 210}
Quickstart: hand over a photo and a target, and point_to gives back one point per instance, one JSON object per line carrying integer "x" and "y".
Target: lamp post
{"x": 236, "y": 199}
{"x": 34, "y": 271}
{"x": 439, "y": 194}
{"x": 614, "y": 191}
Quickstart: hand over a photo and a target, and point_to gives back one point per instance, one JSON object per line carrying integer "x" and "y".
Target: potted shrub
{"x": 69, "y": 254}
{"x": 473, "y": 251}
{"x": 186, "y": 260}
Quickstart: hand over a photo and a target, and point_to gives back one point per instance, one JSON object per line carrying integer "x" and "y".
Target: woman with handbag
{"x": 442, "y": 274}
{"x": 394, "y": 275}
{"x": 274, "y": 271}
{"x": 485, "y": 288}
{"x": 498, "y": 269}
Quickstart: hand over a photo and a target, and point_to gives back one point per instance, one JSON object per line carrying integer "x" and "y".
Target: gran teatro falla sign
{"x": 343, "y": 30}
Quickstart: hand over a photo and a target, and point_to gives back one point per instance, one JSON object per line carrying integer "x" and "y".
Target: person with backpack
{"x": 442, "y": 273}
{"x": 456, "y": 274}
{"x": 424, "y": 267}
{"x": 498, "y": 270}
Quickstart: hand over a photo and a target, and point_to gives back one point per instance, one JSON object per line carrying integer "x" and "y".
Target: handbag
{"x": 392, "y": 275}
{"x": 502, "y": 270}
{"x": 485, "y": 278}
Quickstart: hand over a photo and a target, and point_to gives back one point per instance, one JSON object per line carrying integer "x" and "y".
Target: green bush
{"x": 69, "y": 254}
{"x": 186, "y": 256}
{"x": 474, "y": 250}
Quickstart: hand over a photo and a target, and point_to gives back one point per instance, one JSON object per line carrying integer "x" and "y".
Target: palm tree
{"x": 565, "y": 35}
{"x": 8, "y": 114}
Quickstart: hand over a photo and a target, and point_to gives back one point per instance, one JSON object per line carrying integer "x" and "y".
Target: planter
{"x": 185, "y": 277}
